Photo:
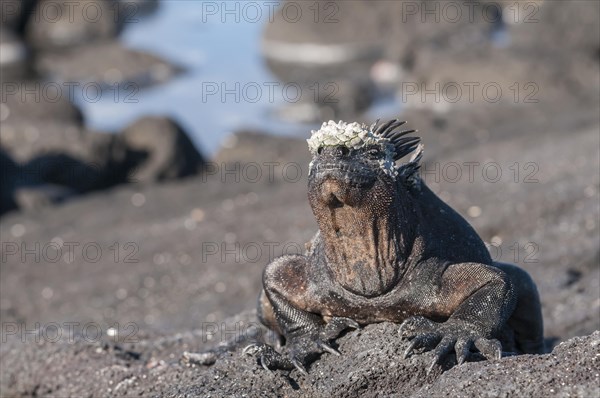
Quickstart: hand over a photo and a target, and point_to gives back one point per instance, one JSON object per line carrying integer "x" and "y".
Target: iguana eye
{"x": 373, "y": 152}
{"x": 319, "y": 150}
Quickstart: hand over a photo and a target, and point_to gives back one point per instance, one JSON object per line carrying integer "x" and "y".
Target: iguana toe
{"x": 489, "y": 348}
{"x": 267, "y": 357}
{"x": 301, "y": 351}
{"x": 462, "y": 347}
{"x": 306, "y": 349}
{"x": 427, "y": 341}
{"x": 415, "y": 325}
{"x": 336, "y": 326}
{"x": 441, "y": 350}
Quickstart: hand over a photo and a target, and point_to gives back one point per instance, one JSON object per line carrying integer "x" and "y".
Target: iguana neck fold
{"x": 366, "y": 246}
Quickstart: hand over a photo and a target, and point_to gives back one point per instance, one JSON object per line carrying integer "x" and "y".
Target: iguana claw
{"x": 299, "y": 351}
{"x": 329, "y": 349}
{"x": 298, "y": 365}
{"x": 446, "y": 337}
{"x": 267, "y": 356}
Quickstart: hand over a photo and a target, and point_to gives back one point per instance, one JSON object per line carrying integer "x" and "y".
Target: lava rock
{"x": 14, "y": 14}
{"x": 107, "y": 64}
{"x": 37, "y": 102}
{"x": 170, "y": 152}
{"x": 14, "y": 57}
{"x": 67, "y": 155}
{"x": 24, "y": 188}
{"x": 9, "y": 172}
{"x": 56, "y": 25}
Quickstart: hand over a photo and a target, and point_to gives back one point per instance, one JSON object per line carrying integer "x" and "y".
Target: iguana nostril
{"x": 335, "y": 202}
{"x": 340, "y": 151}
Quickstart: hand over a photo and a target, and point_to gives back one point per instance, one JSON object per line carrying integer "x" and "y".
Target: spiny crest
{"x": 403, "y": 145}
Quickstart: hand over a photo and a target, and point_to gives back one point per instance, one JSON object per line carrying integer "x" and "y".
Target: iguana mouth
{"x": 351, "y": 175}
{"x": 337, "y": 187}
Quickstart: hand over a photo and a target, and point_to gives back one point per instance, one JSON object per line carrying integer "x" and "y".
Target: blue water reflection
{"x": 217, "y": 56}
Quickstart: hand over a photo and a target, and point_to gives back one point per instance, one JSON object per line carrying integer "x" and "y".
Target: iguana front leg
{"x": 286, "y": 290}
{"x": 480, "y": 299}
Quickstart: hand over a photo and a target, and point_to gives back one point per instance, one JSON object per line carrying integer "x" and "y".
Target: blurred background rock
{"x": 133, "y": 96}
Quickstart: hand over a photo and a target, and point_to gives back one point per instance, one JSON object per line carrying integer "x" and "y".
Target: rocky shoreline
{"x": 51, "y": 53}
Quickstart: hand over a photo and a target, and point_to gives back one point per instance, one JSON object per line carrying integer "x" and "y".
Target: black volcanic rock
{"x": 170, "y": 152}
{"x": 108, "y": 65}
{"x": 55, "y": 25}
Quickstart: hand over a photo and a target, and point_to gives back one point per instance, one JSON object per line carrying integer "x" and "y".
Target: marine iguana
{"x": 388, "y": 249}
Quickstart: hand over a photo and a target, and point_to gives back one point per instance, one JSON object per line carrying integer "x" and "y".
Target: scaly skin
{"x": 388, "y": 249}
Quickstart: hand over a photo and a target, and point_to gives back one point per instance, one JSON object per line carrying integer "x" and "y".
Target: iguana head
{"x": 351, "y": 159}
{"x": 361, "y": 200}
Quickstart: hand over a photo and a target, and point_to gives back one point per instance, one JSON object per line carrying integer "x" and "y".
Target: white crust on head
{"x": 353, "y": 136}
